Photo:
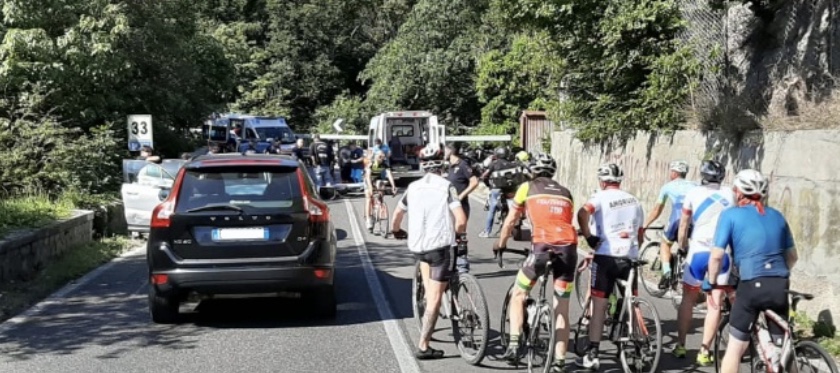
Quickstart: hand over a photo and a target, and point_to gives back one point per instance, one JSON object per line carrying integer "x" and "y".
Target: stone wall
{"x": 24, "y": 253}
{"x": 804, "y": 184}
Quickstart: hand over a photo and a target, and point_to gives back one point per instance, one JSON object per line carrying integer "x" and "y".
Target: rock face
{"x": 804, "y": 185}
{"x": 23, "y": 253}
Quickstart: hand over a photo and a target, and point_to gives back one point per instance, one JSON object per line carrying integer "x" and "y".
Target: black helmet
{"x": 502, "y": 153}
{"x": 712, "y": 172}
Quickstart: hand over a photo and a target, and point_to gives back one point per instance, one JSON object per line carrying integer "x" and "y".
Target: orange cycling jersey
{"x": 550, "y": 209}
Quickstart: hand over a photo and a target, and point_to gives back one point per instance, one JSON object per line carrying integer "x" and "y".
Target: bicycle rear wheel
{"x": 418, "y": 296}
{"x": 651, "y": 273}
{"x": 812, "y": 358}
{"x": 471, "y": 319}
{"x": 541, "y": 340}
{"x": 383, "y": 217}
{"x": 676, "y": 284}
{"x": 582, "y": 284}
{"x": 581, "y": 337}
{"x": 641, "y": 353}
{"x": 504, "y": 327}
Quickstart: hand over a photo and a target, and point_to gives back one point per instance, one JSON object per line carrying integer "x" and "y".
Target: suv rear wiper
{"x": 217, "y": 207}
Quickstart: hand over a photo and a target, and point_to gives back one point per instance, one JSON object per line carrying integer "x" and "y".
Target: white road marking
{"x": 58, "y": 297}
{"x": 405, "y": 358}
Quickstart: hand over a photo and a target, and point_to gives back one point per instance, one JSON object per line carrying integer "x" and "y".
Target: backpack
{"x": 322, "y": 151}
{"x": 508, "y": 177}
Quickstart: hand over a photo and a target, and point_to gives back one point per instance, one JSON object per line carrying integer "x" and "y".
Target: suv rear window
{"x": 247, "y": 187}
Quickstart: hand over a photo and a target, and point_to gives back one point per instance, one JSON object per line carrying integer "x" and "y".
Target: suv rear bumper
{"x": 243, "y": 280}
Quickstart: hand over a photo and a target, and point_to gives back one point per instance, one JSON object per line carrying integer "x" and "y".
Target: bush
{"x": 44, "y": 157}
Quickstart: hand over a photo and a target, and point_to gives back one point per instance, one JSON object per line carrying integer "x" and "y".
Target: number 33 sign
{"x": 139, "y": 132}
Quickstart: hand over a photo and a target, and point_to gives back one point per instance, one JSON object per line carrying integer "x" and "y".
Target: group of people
{"x": 723, "y": 229}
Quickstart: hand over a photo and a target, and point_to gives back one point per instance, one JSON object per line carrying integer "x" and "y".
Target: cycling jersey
{"x": 618, "y": 217}
{"x": 705, "y": 204}
{"x": 550, "y": 209}
{"x": 377, "y": 170}
{"x": 675, "y": 191}
{"x": 759, "y": 242}
{"x": 431, "y": 225}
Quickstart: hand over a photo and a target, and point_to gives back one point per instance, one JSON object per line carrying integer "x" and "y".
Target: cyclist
{"x": 764, "y": 254}
{"x": 436, "y": 222}
{"x": 618, "y": 219}
{"x": 505, "y": 176}
{"x": 550, "y": 209}
{"x": 701, "y": 208}
{"x": 377, "y": 171}
{"x": 674, "y": 191}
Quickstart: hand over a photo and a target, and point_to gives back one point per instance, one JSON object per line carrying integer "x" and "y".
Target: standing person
{"x": 702, "y": 208}
{"x": 322, "y": 155}
{"x": 357, "y": 163}
{"x": 148, "y": 154}
{"x": 500, "y": 162}
{"x": 674, "y": 191}
{"x": 345, "y": 154}
{"x": 618, "y": 220}
{"x": 436, "y": 223}
{"x": 764, "y": 254}
{"x": 550, "y": 209}
{"x": 299, "y": 152}
{"x": 461, "y": 175}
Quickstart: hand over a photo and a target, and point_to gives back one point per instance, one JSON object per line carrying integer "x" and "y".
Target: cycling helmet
{"x": 679, "y": 166}
{"x": 502, "y": 153}
{"x": 751, "y": 183}
{"x": 712, "y": 172}
{"x": 544, "y": 166}
{"x": 431, "y": 158}
{"x": 523, "y": 156}
{"x": 610, "y": 172}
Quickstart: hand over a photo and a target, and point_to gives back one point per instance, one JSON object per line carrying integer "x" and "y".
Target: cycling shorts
{"x": 754, "y": 296}
{"x": 563, "y": 267}
{"x": 672, "y": 231}
{"x": 697, "y": 265}
{"x": 605, "y": 271}
{"x": 439, "y": 261}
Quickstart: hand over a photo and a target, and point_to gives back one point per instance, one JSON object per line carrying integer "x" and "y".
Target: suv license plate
{"x": 240, "y": 234}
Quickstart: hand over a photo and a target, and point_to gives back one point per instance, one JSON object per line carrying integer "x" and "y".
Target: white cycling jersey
{"x": 617, "y": 216}
{"x": 705, "y": 203}
{"x": 431, "y": 224}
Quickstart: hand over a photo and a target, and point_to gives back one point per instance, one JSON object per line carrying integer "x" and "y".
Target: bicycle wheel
{"x": 384, "y": 219}
{"x": 811, "y": 357}
{"x": 641, "y": 353}
{"x": 582, "y": 286}
{"x": 418, "y": 296}
{"x": 581, "y": 338}
{"x": 471, "y": 320}
{"x": 651, "y": 273}
{"x": 676, "y": 285}
{"x": 541, "y": 340}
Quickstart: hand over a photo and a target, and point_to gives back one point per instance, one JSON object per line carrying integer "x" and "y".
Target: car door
{"x": 145, "y": 185}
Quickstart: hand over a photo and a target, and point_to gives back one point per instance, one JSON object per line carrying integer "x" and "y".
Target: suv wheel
{"x": 164, "y": 310}
{"x": 324, "y": 302}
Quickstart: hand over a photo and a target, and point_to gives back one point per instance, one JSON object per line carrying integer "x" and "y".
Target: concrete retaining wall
{"x": 23, "y": 254}
{"x": 804, "y": 171}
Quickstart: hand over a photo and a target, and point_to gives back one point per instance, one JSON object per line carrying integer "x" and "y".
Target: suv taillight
{"x": 318, "y": 212}
{"x": 162, "y": 212}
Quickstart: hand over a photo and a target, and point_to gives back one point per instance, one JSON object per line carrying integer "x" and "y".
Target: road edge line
{"x": 402, "y": 352}
{"x": 59, "y": 295}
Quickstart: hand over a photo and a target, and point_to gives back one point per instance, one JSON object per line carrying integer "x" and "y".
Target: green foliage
{"x": 349, "y": 108}
{"x": 31, "y": 211}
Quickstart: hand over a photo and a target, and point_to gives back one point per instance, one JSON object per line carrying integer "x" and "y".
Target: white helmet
{"x": 544, "y": 165}
{"x": 679, "y": 166}
{"x": 751, "y": 182}
{"x": 610, "y": 172}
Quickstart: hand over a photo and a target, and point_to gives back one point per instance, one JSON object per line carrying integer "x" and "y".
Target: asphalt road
{"x": 101, "y": 324}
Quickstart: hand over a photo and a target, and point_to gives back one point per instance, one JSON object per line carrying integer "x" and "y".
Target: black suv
{"x": 238, "y": 224}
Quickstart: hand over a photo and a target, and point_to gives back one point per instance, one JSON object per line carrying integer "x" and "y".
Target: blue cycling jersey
{"x": 759, "y": 242}
{"x": 675, "y": 191}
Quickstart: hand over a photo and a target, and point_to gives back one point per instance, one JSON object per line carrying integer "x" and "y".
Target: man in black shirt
{"x": 460, "y": 174}
{"x": 344, "y": 156}
{"x": 322, "y": 158}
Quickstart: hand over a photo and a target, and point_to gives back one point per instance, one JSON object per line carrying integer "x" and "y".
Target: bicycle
{"x": 638, "y": 348}
{"x": 470, "y": 319}
{"x": 539, "y": 318}
{"x": 379, "y": 210}
{"x": 793, "y": 349}
{"x": 650, "y": 279}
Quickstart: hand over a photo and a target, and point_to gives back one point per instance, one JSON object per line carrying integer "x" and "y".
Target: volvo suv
{"x": 237, "y": 224}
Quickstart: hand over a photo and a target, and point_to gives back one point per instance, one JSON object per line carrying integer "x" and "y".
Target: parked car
{"x": 238, "y": 224}
{"x": 146, "y": 185}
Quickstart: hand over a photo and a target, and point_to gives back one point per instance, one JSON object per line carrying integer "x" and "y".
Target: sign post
{"x": 139, "y": 131}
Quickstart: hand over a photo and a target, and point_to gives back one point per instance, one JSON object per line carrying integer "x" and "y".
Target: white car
{"x": 145, "y": 185}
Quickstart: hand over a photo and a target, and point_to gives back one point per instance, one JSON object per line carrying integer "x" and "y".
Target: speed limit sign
{"x": 139, "y": 131}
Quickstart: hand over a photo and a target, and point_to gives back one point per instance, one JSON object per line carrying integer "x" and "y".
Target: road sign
{"x": 139, "y": 131}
